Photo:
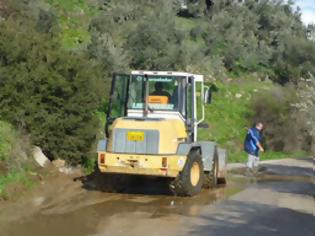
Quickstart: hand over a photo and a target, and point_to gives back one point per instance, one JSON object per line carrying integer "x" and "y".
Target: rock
{"x": 59, "y": 163}
{"x": 238, "y": 95}
{"x": 67, "y": 170}
{"x": 37, "y": 201}
{"x": 40, "y": 157}
{"x": 62, "y": 167}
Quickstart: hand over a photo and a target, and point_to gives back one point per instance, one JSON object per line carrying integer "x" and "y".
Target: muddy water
{"x": 92, "y": 212}
{"x": 62, "y": 206}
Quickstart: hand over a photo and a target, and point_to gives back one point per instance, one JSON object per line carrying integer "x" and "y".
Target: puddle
{"x": 273, "y": 178}
{"x": 94, "y": 211}
{"x": 85, "y": 207}
{"x": 71, "y": 218}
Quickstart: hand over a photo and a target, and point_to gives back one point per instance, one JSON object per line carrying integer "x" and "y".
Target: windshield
{"x": 163, "y": 92}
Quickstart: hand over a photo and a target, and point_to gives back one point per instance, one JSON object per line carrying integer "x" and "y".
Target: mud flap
{"x": 222, "y": 153}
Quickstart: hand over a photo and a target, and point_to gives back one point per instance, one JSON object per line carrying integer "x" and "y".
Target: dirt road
{"x": 277, "y": 202}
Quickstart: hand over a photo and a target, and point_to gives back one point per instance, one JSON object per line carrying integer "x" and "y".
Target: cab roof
{"x": 167, "y": 73}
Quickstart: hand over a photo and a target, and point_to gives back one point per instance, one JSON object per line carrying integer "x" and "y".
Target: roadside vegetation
{"x": 57, "y": 56}
{"x": 237, "y": 104}
{"x": 15, "y": 164}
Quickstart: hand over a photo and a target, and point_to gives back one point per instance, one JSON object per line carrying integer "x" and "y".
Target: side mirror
{"x": 208, "y": 96}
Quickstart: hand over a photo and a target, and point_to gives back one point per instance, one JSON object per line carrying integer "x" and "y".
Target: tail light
{"x": 102, "y": 158}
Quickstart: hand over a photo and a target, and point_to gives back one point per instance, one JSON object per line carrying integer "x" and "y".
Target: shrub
{"x": 14, "y": 148}
{"x": 306, "y": 108}
{"x": 195, "y": 32}
{"x": 286, "y": 128}
{"x": 156, "y": 44}
{"x": 50, "y": 93}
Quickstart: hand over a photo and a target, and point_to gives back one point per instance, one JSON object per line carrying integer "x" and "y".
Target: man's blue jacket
{"x": 252, "y": 139}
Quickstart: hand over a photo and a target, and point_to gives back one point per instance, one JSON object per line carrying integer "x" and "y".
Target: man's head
{"x": 158, "y": 86}
{"x": 259, "y": 126}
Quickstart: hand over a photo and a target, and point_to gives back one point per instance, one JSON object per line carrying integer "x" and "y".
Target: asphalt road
{"x": 279, "y": 201}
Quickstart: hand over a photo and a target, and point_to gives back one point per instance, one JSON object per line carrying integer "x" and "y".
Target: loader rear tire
{"x": 211, "y": 178}
{"x": 189, "y": 181}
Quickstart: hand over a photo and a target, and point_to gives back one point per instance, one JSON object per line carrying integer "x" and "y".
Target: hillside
{"x": 74, "y": 17}
{"x": 256, "y": 53}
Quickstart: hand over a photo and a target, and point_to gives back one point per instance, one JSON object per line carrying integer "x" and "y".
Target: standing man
{"x": 252, "y": 145}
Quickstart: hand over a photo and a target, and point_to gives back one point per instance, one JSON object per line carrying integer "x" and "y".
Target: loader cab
{"x": 145, "y": 95}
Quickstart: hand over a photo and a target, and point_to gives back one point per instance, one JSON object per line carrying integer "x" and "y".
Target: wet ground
{"x": 278, "y": 201}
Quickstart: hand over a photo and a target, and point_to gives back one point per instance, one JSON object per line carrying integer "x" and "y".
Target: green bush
{"x": 14, "y": 148}
{"x": 6, "y": 139}
{"x": 287, "y": 129}
{"x": 48, "y": 92}
{"x": 156, "y": 44}
{"x": 229, "y": 115}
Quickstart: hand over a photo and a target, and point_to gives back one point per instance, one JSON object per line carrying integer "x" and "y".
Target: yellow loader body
{"x": 162, "y": 162}
{"x": 141, "y": 164}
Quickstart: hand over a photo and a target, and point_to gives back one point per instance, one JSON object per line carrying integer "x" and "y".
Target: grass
{"x": 241, "y": 156}
{"x": 74, "y": 17}
{"x": 14, "y": 170}
{"x": 8, "y": 137}
{"x": 19, "y": 178}
{"x": 228, "y": 116}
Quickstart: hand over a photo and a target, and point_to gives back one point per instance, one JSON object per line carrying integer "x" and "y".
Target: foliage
{"x": 131, "y": 36}
{"x": 265, "y": 36}
{"x": 228, "y": 114}
{"x": 73, "y": 19}
{"x": 7, "y": 139}
{"x": 240, "y": 102}
{"x": 31, "y": 11}
{"x": 109, "y": 54}
{"x": 14, "y": 162}
{"x": 14, "y": 148}
{"x": 150, "y": 49}
{"x": 306, "y": 103}
{"x": 306, "y": 108}
{"x": 50, "y": 93}
{"x": 20, "y": 178}
{"x": 287, "y": 129}
{"x": 53, "y": 94}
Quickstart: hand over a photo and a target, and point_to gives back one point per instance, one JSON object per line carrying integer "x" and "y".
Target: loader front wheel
{"x": 190, "y": 180}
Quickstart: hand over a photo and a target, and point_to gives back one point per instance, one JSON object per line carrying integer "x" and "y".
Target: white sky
{"x": 308, "y": 10}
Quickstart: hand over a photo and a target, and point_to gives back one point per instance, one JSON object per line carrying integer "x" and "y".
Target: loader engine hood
{"x": 146, "y": 136}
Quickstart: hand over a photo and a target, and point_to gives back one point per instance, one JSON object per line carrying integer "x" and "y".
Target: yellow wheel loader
{"x": 152, "y": 129}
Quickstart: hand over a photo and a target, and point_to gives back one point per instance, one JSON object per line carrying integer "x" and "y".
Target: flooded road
{"x": 274, "y": 203}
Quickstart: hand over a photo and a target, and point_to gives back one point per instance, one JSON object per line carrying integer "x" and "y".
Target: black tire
{"x": 211, "y": 178}
{"x": 112, "y": 183}
{"x": 222, "y": 181}
{"x": 186, "y": 183}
